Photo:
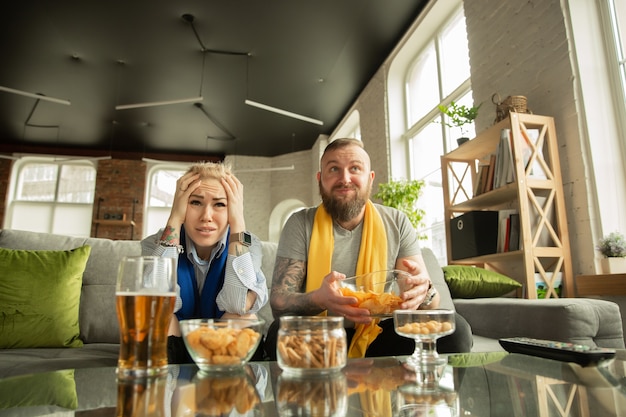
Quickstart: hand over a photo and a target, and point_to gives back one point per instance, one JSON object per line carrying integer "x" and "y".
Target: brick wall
{"x": 120, "y": 189}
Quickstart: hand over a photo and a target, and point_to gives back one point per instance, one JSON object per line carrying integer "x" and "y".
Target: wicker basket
{"x": 517, "y": 104}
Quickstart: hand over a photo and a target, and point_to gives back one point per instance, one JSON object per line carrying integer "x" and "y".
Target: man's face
{"x": 345, "y": 181}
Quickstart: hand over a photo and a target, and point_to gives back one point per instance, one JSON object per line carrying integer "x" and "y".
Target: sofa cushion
{"x": 473, "y": 282}
{"x": 39, "y": 297}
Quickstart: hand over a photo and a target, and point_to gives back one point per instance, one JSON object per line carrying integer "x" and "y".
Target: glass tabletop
{"x": 476, "y": 384}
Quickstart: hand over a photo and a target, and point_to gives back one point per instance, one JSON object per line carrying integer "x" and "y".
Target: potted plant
{"x": 403, "y": 195}
{"x": 459, "y": 115}
{"x": 613, "y": 248}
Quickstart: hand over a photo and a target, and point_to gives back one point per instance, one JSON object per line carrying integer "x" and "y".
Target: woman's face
{"x": 207, "y": 216}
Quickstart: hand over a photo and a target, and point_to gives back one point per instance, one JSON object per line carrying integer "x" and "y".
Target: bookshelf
{"x": 543, "y": 258}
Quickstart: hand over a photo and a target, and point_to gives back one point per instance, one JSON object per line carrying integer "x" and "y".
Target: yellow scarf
{"x": 372, "y": 257}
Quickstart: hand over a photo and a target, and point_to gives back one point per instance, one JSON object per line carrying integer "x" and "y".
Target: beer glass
{"x": 145, "y": 297}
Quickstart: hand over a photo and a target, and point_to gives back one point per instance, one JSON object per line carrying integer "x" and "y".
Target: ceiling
{"x": 311, "y": 58}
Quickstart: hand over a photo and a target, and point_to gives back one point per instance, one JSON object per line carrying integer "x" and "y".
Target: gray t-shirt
{"x": 402, "y": 240}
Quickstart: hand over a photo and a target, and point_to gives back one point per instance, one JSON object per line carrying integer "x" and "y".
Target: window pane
{"x": 163, "y": 187}
{"x": 37, "y": 182}
{"x": 423, "y": 87}
{"x": 77, "y": 184}
{"x": 455, "y": 66}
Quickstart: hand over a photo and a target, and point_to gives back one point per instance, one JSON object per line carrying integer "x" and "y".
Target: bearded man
{"x": 347, "y": 235}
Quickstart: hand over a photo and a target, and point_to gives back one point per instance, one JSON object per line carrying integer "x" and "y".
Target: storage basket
{"x": 517, "y": 104}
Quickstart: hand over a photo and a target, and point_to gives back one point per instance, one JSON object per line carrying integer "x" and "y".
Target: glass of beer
{"x": 145, "y": 297}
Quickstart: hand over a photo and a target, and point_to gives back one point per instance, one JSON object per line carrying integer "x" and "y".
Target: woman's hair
{"x": 210, "y": 170}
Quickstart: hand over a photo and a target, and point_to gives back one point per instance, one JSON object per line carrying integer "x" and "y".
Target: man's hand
{"x": 418, "y": 283}
{"x": 330, "y": 298}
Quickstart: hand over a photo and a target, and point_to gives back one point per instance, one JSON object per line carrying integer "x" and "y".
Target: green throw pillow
{"x": 40, "y": 296}
{"x": 51, "y": 388}
{"x": 473, "y": 282}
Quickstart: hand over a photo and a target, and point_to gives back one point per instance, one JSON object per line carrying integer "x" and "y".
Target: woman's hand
{"x": 234, "y": 193}
{"x": 185, "y": 185}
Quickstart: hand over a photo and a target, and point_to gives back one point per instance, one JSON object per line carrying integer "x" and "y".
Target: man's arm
{"x": 288, "y": 289}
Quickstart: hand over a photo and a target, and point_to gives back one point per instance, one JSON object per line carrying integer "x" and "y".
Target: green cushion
{"x": 473, "y": 282}
{"x": 51, "y": 388}
{"x": 40, "y": 296}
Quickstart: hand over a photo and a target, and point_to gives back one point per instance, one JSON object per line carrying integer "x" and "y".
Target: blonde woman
{"x": 219, "y": 261}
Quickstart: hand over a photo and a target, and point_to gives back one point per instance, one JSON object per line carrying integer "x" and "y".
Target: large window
{"x": 52, "y": 196}
{"x": 439, "y": 74}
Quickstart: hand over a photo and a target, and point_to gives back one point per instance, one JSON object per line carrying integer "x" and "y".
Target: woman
{"x": 219, "y": 262}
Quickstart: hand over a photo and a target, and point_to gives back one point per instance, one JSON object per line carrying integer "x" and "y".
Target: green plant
{"x": 459, "y": 115}
{"x": 613, "y": 245}
{"x": 403, "y": 195}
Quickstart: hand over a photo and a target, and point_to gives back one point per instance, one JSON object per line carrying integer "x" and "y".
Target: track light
{"x": 36, "y": 96}
{"x": 158, "y": 103}
{"x": 284, "y": 112}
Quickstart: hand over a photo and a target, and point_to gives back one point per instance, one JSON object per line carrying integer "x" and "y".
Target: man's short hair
{"x": 342, "y": 143}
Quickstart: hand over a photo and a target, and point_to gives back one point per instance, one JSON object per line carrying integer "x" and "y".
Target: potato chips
{"x": 376, "y": 303}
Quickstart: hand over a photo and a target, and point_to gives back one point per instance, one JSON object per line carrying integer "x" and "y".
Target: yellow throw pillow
{"x": 40, "y": 297}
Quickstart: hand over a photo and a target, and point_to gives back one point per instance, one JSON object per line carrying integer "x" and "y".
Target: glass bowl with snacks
{"x": 221, "y": 344}
{"x": 311, "y": 344}
{"x": 379, "y": 291}
{"x": 425, "y": 327}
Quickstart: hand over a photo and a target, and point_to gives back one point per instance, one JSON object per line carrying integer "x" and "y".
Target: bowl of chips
{"x": 379, "y": 291}
{"x": 221, "y": 344}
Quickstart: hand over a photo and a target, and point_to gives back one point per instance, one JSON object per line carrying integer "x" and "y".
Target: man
{"x": 348, "y": 235}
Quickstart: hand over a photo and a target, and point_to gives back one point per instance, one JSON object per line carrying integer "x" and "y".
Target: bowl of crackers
{"x": 221, "y": 344}
{"x": 311, "y": 345}
{"x": 379, "y": 291}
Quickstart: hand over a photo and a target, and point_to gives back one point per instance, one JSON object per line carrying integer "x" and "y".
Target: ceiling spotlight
{"x": 36, "y": 96}
{"x": 158, "y": 103}
{"x": 283, "y": 112}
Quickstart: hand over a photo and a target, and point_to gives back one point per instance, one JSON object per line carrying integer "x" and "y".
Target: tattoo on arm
{"x": 288, "y": 289}
{"x": 170, "y": 235}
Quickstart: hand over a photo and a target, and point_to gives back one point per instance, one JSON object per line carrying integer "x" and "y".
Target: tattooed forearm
{"x": 288, "y": 289}
{"x": 170, "y": 235}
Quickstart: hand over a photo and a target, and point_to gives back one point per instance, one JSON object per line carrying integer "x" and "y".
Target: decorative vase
{"x": 615, "y": 265}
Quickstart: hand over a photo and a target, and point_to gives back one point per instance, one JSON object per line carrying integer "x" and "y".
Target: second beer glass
{"x": 145, "y": 297}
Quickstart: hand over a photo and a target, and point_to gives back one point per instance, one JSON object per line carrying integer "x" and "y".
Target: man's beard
{"x": 345, "y": 210}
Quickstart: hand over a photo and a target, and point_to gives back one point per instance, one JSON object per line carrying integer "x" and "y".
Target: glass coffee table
{"x": 476, "y": 384}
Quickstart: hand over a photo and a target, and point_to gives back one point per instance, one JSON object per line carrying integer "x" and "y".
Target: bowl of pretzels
{"x": 221, "y": 344}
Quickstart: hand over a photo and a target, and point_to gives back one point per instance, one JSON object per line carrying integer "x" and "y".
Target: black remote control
{"x": 560, "y": 351}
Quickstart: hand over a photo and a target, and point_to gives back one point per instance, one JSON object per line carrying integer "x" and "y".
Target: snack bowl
{"x": 311, "y": 345}
{"x": 221, "y": 344}
{"x": 379, "y": 291}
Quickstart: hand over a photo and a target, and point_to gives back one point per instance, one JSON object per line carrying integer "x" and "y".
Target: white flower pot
{"x": 614, "y": 265}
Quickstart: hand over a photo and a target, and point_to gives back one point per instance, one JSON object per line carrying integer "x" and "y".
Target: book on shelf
{"x": 514, "y": 232}
{"x": 490, "y": 173}
{"x": 504, "y": 229}
{"x": 505, "y": 169}
{"x": 481, "y": 179}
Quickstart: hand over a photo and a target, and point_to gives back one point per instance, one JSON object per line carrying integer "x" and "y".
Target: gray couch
{"x": 593, "y": 322}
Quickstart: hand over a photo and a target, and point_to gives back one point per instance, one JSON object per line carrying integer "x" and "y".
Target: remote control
{"x": 560, "y": 351}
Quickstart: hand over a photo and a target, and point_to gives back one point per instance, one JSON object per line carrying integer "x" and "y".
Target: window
{"x": 438, "y": 73}
{"x": 52, "y": 196}
{"x": 160, "y": 195}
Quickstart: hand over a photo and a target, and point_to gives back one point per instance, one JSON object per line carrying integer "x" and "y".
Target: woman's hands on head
{"x": 185, "y": 185}
{"x": 234, "y": 193}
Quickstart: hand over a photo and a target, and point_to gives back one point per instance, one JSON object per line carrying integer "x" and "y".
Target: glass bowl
{"x": 221, "y": 344}
{"x": 379, "y": 291}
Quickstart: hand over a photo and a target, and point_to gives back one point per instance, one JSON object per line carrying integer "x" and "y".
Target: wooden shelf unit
{"x": 544, "y": 237}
